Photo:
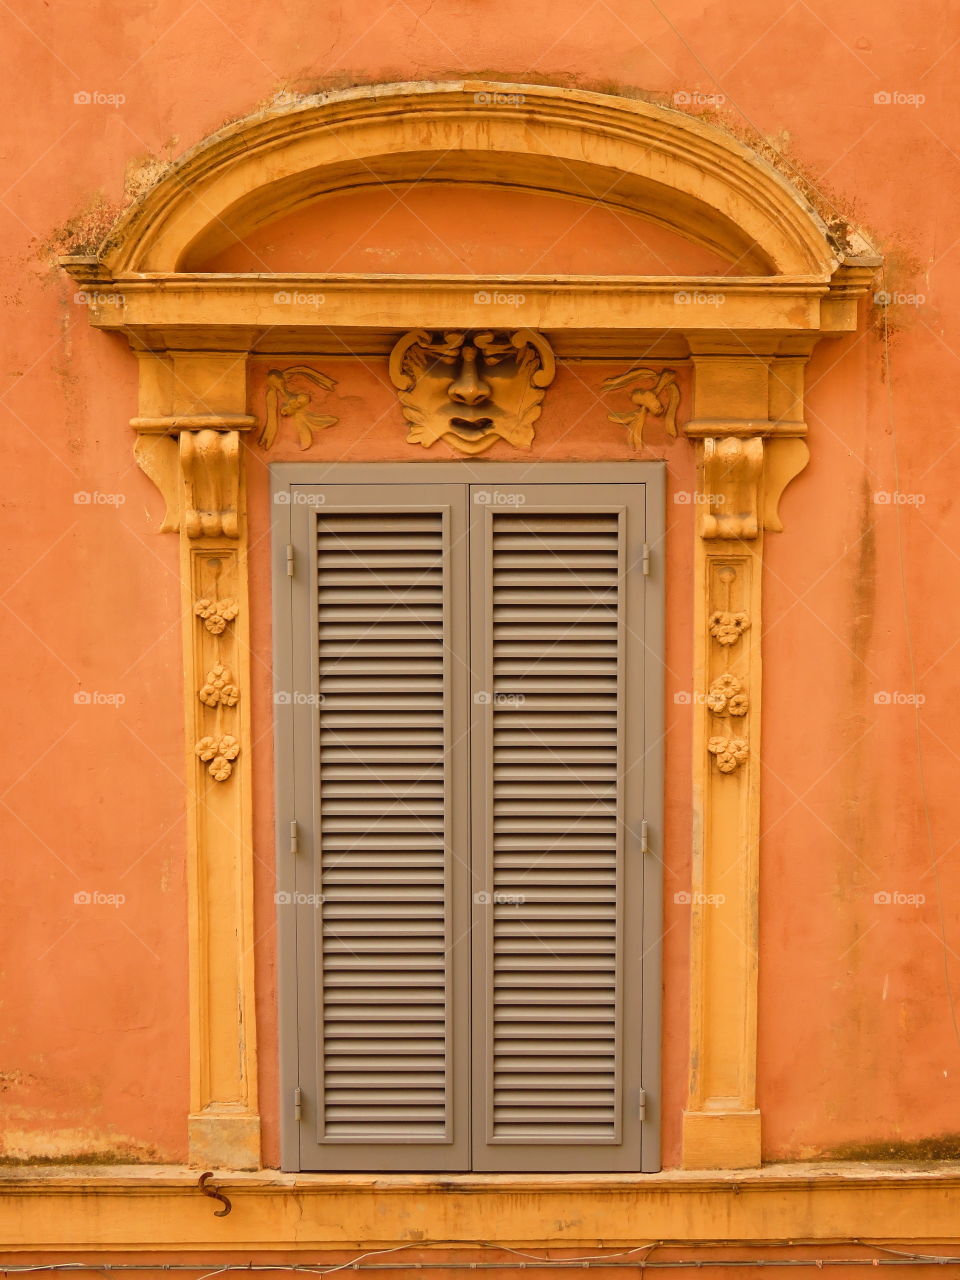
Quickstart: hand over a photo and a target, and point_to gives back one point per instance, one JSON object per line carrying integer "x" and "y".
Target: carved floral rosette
{"x": 219, "y": 693}
{"x": 726, "y": 699}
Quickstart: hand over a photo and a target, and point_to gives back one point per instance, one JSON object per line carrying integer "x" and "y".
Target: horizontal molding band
{"x": 161, "y": 1208}
{"x": 194, "y": 422}
{"x": 239, "y": 311}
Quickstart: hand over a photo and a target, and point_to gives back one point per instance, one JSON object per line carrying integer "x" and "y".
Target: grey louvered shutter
{"x": 557, "y": 746}
{"x": 383, "y": 952}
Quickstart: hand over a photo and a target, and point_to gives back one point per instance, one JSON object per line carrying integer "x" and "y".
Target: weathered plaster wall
{"x": 858, "y": 1042}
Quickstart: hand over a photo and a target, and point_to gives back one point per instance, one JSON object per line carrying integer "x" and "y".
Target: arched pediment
{"x": 670, "y": 168}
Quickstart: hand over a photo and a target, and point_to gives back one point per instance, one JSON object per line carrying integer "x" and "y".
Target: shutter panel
{"x": 384, "y": 1066}
{"x": 558, "y": 788}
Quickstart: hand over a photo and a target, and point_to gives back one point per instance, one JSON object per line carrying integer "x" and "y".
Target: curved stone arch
{"x": 667, "y": 166}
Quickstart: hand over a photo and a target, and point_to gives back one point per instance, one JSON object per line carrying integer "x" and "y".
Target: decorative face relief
{"x": 472, "y": 389}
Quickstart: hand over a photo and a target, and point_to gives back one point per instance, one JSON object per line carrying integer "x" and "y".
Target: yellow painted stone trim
{"x": 607, "y": 316}
{"x": 668, "y": 166}
{"x": 59, "y": 1212}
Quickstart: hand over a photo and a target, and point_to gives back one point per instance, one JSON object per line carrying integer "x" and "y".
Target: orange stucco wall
{"x": 858, "y": 1038}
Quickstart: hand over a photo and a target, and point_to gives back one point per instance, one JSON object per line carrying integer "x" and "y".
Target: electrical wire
{"x": 529, "y": 1262}
{"x": 899, "y": 1260}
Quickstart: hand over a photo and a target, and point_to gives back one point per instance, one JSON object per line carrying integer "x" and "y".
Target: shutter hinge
{"x": 644, "y": 836}
{"x": 646, "y": 558}
{"x": 294, "y": 837}
{"x": 289, "y": 560}
{"x": 641, "y": 1103}
{"x": 298, "y": 1103}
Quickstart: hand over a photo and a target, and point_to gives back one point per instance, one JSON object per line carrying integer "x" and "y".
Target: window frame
{"x": 650, "y": 474}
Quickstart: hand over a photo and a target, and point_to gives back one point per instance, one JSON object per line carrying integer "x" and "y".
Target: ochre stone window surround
{"x": 192, "y": 333}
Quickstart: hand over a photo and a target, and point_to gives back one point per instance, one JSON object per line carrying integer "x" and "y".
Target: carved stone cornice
{"x": 167, "y": 310}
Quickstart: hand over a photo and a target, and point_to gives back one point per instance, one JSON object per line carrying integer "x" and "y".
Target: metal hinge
{"x": 298, "y": 1103}
{"x": 641, "y": 1103}
{"x": 644, "y": 836}
{"x": 646, "y": 558}
{"x": 289, "y": 560}
{"x": 294, "y": 837}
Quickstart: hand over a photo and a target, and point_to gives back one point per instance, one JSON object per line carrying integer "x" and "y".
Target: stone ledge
{"x": 159, "y": 1207}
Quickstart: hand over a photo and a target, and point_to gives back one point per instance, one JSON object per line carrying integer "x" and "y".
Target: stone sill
{"x": 792, "y": 1175}
{"x": 52, "y": 1211}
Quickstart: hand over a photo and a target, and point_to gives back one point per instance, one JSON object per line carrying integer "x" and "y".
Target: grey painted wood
{"x": 589, "y": 1120}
